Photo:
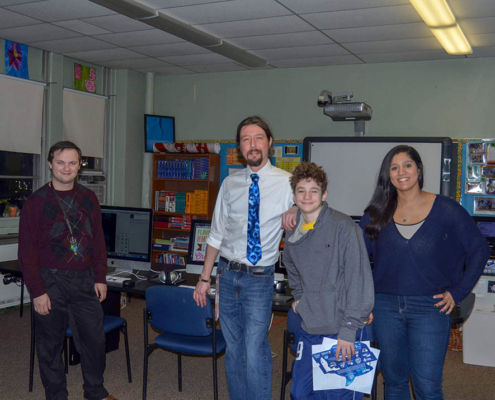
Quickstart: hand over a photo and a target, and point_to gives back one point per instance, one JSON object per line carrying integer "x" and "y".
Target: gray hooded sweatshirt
{"x": 330, "y": 275}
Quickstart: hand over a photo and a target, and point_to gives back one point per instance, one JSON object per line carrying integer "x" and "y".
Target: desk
{"x": 280, "y": 302}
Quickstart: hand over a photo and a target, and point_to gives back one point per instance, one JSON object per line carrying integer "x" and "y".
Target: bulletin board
{"x": 476, "y": 176}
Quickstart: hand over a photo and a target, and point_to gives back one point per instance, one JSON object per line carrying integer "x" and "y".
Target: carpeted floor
{"x": 461, "y": 381}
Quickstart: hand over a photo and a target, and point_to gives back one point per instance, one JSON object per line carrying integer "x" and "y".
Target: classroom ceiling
{"x": 286, "y": 33}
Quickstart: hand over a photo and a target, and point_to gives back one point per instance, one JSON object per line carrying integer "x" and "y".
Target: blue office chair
{"x": 110, "y": 324}
{"x": 186, "y": 328}
{"x": 291, "y": 338}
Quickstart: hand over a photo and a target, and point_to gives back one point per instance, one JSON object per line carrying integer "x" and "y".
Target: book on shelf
{"x": 195, "y": 168}
{"x": 169, "y": 258}
{"x": 182, "y": 202}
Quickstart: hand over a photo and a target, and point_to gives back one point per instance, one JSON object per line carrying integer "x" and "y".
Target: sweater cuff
{"x": 347, "y": 334}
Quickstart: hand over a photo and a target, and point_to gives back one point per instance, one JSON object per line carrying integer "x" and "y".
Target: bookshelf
{"x": 184, "y": 187}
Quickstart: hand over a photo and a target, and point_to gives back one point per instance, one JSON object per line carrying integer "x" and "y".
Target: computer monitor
{"x": 127, "y": 234}
{"x": 487, "y": 228}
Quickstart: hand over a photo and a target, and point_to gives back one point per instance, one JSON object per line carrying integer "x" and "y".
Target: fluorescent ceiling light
{"x": 434, "y": 12}
{"x": 453, "y": 40}
{"x": 159, "y": 20}
{"x": 239, "y": 55}
{"x": 182, "y": 30}
{"x": 129, "y": 8}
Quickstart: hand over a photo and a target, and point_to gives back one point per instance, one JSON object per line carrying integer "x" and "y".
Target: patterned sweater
{"x": 44, "y": 235}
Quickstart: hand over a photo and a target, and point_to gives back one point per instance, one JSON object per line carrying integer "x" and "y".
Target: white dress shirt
{"x": 230, "y": 218}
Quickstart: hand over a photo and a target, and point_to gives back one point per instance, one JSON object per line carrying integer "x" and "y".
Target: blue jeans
{"x": 302, "y": 372}
{"x": 413, "y": 337}
{"x": 245, "y": 310}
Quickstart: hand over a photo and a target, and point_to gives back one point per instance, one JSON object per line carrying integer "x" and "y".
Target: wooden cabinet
{"x": 184, "y": 187}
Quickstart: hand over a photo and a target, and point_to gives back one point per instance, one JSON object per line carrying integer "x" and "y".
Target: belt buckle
{"x": 235, "y": 265}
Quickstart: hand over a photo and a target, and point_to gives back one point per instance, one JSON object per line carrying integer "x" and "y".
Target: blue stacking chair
{"x": 186, "y": 328}
{"x": 291, "y": 338}
{"x": 110, "y": 324}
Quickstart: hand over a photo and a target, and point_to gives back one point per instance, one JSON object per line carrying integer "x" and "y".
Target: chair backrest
{"x": 174, "y": 310}
{"x": 294, "y": 326}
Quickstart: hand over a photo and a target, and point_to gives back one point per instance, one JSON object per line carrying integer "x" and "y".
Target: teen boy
{"x": 330, "y": 277}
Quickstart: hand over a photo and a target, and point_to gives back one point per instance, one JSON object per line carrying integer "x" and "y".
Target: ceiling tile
{"x": 135, "y": 63}
{"x": 386, "y": 32}
{"x": 4, "y": 3}
{"x": 61, "y": 10}
{"x": 118, "y": 23}
{"x": 197, "y": 59}
{"x": 407, "y": 56}
{"x": 392, "y": 46}
{"x": 482, "y": 40}
{"x": 36, "y": 33}
{"x": 174, "y": 49}
{"x": 140, "y": 38}
{"x": 9, "y": 19}
{"x": 105, "y": 55}
{"x": 82, "y": 27}
{"x": 316, "y": 61}
{"x": 263, "y": 26}
{"x": 165, "y": 70}
{"x": 158, "y": 4}
{"x": 364, "y": 17}
{"x": 62, "y": 46}
{"x": 478, "y": 25}
{"x": 216, "y": 68}
{"x": 227, "y": 11}
{"x": 314, "y": 6}
{"x": 301, "y": 52}
{"x": 472, "y": 8}
{"x": 279, "y": 41}
{"x": 483, "y": 52}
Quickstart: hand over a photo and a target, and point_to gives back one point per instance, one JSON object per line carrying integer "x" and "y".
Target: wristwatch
{"x": 204, "y": 280}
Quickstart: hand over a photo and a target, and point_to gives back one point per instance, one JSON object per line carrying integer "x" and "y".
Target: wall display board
{"x": 476, "y": 176}
{"x": 352, "y": 165}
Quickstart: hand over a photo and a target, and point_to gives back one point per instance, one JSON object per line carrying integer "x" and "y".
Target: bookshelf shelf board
{"x": 177, "y": 214}
{"x": 180, "y": 180}
{"x": 172, "y": 229}
{"x": 169, "y": 251}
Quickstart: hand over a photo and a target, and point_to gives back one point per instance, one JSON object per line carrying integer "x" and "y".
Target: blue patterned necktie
{"x": 253, "y": 231}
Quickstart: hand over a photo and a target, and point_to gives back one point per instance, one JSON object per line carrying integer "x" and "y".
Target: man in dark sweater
{"x": 63, "y": 260}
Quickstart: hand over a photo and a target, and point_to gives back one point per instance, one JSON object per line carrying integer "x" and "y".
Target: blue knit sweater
{"x": 448, "y": 252}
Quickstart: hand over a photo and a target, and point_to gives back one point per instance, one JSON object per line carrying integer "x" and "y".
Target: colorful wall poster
{"x": 16, "y": 59}
{"x": 84, "y": 78}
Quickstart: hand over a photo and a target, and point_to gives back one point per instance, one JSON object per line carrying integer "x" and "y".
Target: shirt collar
{"x": 261, "y": 173}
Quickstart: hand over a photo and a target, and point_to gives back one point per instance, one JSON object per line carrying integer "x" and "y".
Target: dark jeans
{"x": 413, "y": 337}
{"x": 74, "y": 301}
{"x": 302, "y": 372}
{"x": 245, "y": 310}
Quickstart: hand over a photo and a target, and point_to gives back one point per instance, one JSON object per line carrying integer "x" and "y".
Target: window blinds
{"x": 84, "y": 121}
{"x": 21, "y": 115}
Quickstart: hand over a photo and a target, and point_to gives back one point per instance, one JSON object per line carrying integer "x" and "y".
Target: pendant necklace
{"x": 72, "y": 239}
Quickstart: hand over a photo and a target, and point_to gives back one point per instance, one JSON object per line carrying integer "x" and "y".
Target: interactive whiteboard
{"x": 352, "y": 165}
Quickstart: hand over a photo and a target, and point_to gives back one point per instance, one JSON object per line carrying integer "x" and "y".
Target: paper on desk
{"x": 355, "y": 375}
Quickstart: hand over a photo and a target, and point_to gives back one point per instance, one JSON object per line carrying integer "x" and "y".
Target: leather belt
{"x": 238, "y": 266}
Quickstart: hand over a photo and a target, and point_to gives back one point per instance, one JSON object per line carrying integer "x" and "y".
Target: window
{"x": 18, "y": 176}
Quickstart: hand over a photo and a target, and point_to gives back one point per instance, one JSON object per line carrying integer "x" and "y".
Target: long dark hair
{"x": 383, "y": 203}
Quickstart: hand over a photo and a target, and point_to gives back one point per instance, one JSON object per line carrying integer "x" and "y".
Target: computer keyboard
{"x": 116, "y": 280}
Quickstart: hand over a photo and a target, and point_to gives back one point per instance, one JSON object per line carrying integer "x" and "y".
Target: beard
{"x": 256, "y": 162}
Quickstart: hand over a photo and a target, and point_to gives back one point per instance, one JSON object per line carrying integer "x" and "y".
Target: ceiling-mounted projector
{"x": 341, "y": 108}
